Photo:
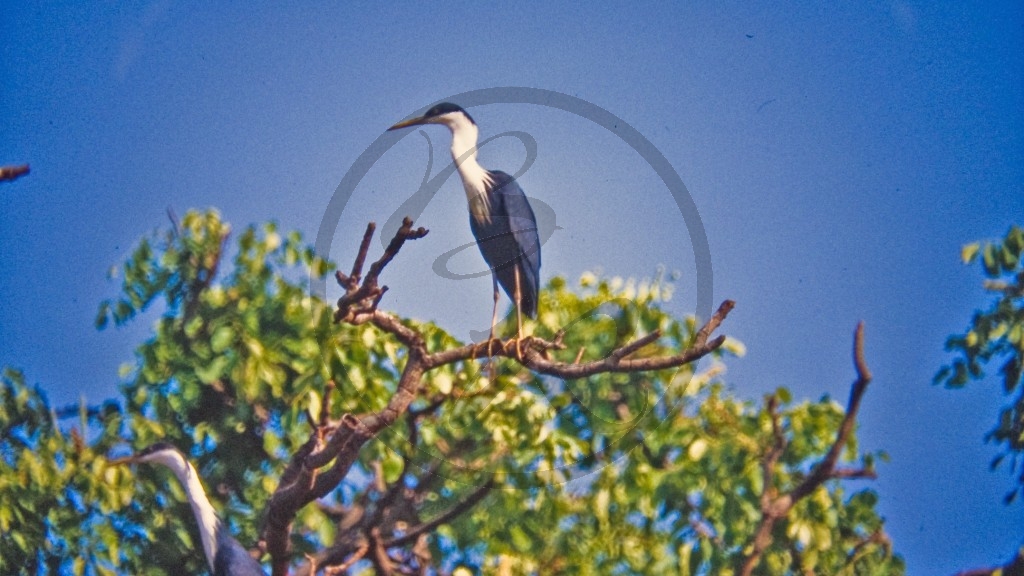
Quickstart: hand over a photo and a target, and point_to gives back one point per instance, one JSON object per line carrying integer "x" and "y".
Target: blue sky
{"x": 839, "y": 157}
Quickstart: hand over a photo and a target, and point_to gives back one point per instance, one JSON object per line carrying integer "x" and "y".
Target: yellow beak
{"x": 409, "y": 122}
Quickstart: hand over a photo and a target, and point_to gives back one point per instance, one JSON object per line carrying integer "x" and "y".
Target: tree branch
{"x": 11, "y": 173}
{"x": 363, "y": 295}
{"x": 774, "y": 507}
{"x": 442, "y": 518}
{"x": 854, "y": 473}
{"x": 304, "y": 480}
{"x": 878, "y": 537}
{"x": 320, "y": 466}
{"x": 824, "y": 470}
{"x": 615, "y": 362}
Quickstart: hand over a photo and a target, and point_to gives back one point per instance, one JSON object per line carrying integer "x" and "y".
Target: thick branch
{"x": 337, "y": 447}
{"x": 302, "y": 483}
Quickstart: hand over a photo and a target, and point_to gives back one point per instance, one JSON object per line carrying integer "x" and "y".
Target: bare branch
{"x": 853, "y": 473}
{"x": 302, "y": 483}
{"x": 356, "y": 557}
{"x": 325, "y": 403}
{"x": 391, "y": 325}
{"x": 775, "y": 507}
{"x": 613, "y": 363}
{"x": 406, "y": 232}
{"x": 825, "y": 468}
{"x": 443, "y": 518}
{"x": 363, "y": 295}
{"x": 364, "y": 247}
{"x": 303, "y": 480}
{"x": 11, "y": 173}
{"x": 863, "y": 373}
{"x": 175, "y": 223}
{"x": 579, "y": 355}
{"x": 633, "y": 346}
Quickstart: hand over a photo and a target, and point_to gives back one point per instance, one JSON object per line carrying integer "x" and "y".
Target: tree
{"x": 996, "y": 335}
{"x": 343, "y": 439}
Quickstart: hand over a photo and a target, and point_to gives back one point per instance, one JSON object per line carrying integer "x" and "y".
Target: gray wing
{"x": 232, "y": 559}
{"x": 511, "y": 240}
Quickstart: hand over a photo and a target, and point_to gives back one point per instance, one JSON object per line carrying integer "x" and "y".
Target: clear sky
{"x": 838, "y": 156}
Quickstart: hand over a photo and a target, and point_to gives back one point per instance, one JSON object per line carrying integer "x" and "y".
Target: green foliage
{"x": 996, "y": 335}
{"x": 646, "y": 473}
{"x": 54, "y": 491}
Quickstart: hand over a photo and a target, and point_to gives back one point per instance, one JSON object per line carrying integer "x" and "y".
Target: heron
{"x": 224, "y": 555}
{"x": 500, "y": 217}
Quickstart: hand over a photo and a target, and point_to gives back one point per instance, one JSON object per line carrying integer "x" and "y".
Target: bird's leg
{"x": 519, "y": 314}
{"x": 494, "y": 313}
{"x": 494, "y": 321}
{"x": 491, "y": 367}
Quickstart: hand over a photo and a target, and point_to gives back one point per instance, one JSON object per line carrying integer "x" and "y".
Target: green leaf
{"x": 990, "y": 260}
{"x": 212, "y": 371}
{"x": 234, "y": 377}
{"x": 785, "y": 396}
{"x": 1009, "y": 258}
{"x": 520, "y": 540}
{"x": 969, "y": 252}
{"x": 222, "y": 337}
{"x": 392, "y": 466}
{"x": 315, "y": 405}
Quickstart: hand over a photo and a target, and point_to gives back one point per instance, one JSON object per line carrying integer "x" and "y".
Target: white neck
{"x": 475, "y": 178}
{"x": 206, "y": 517}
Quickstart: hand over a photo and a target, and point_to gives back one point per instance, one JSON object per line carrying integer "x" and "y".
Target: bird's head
{"x": 159, "y": 453}
{"x": 446, "y": 113}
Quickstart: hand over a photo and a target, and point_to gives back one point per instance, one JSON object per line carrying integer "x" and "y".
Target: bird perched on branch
{"x": 500, "y": 216}
{"x": 224, "y": 555}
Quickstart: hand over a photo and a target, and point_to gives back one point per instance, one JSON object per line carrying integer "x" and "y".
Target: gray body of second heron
{"x": 224, "y": 555}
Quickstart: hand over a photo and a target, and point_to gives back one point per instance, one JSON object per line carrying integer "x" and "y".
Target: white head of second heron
{"x": 224, "y": 555}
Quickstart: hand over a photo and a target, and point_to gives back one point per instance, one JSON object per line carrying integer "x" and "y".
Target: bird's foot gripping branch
{"x": 321, "y": 465}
